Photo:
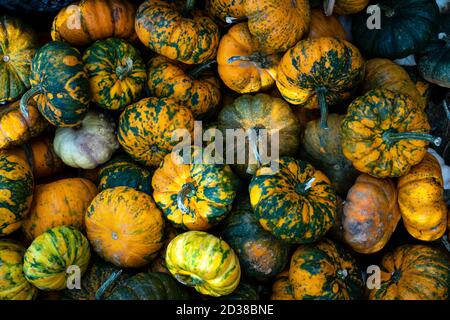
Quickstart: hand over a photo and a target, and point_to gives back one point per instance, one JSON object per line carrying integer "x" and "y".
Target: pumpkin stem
{"x": 321, "y": 97}
{"x": 184, "y": 192}
{"x": 122, "y": 72}
{"x": 195, "y": 72}
{"x": 328, "y": 6}
{"x": 26, "y": 97}
{"x": 101, "y": 291}
{"x": 257, "y": 58}
{"x": 231, "y": 20}
{"x": 188, "y": 280}
{"x": 446, "y": 109}
{"x": 342, "y": 274}
{"x": 391, "y": 137}
{"x": 302, "y": 188}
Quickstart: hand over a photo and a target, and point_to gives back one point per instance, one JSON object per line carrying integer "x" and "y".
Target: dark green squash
{"x": 244, "y": 291}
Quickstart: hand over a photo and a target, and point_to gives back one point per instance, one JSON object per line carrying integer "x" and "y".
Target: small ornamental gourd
{"x": 116, "y": 73}
{"x": 17, "y": 47}
{"x": 384, "y": 133}
{"x": 193, "y": 194}
{"x": 13, "y": 285}
{"x": 175, "y": 32}
{"x": 243, "y": 65}
{"x": 325, "y": 271}
{"x": 293, "y": 201}
{"x": 60, "y": 84}
{"x": 414, "y": 272}
{"x": 125, "y": 227}
{"x": 320, "y": 72}
{"x": 325, "y": 26}
{"x": 60, "y": 203}
{"x": 421, "y": 200}
{"x": 146, "y": 128}
{"x": 89, "y": 145}
{"x": 205, "y": 262}
{"x": 17, "y": 185}
{"x": 83, "y": 22}
{"x": 67, "y": 246}
{"x": 190, "y": 88}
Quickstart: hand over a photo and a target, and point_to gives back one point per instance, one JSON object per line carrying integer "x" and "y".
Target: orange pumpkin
{"x": 282, "y": 288}
{"x": 325, "y": 26}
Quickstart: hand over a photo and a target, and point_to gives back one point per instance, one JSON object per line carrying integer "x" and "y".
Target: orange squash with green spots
{"x": 325, "y": 26}
{"x": 282, "y": 288}
{"x": 226, "y": 10}
{"x": 125, "y": 227}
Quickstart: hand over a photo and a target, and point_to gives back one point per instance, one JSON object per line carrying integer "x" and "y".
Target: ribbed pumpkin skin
{"x": 145, "y": 128}
{"x": 404, "y": 30}
{"x": 368, "y": 119}
{"x": 282, "y": 289}
{"x": 16, "y": 185}
{"x": 67, "y": 246}
{"x": 211, "y": 192}
{"x": 294, "y": 202}
{"x": 345, "y": 7}
{"x": 122, "y": 171}
{"x": 277, "y": 24}
{"x": 421, "y": 200}
{"x": 242, "y": 75}
{"x": 86, "y": 21}
{"x": 371, "y": 214}
{"x": 60, "y": 203}
{"x": 162, "y": 27}
{"x": 225, "y": 9}
{"x": 124, "y": 227}
{"x": 323, "y": 26}
{"x": 58, "y": 72}
{"x": 116, "y": 73}
{"x": 207, "y": 263}
{"x": 17, "y": 47}
{"x": 168, "y": 79}
{"x": 13, "y": 285}
{"x": 414, "y": 272}
{"x": 260, "y": 254}
{"x": 325, "y": 271}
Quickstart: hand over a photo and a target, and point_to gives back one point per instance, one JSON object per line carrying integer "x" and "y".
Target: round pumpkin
{"x": 414, "y": 272}
{"x": 17, "y": 47}
{"x": 243, "y": 65}
{"x": 83, "y": 22}
{"x": 384, "y": 133}
{"x": 421, "y": 200}
{"x": 325, "y": 26}
{"x": 175, "y": 32}
{"x": 60, "y": 84}
{"x": 146, "y": 128}
{"x": 13, "y": 285}
{"x": 124, "y": 227}
{"x": 17, "y": 185}
{"x": 282, "y": 288}
{"x": 370, "y": 214}
{"x": 190, "y": 88}
{"x": 320, "y": 72}
{"x": 67, "y": 246}
{"x": 60, "y": 203}
{"x": 325, "y": 271}
{"x": 344, "y": 7}
{"x": 293, "y": 201}
{"x": 205, "y": 262}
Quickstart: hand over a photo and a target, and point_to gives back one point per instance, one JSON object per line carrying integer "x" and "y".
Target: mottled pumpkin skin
{"x": 17, "y": 47}
{"x": 16, "y": 185}
{"x": 386, "y": 74}
{"x": 116, "y": 73}
{"x": 260, "y": 254}
{"x": 294, "y": 202}
{"x": 199, "y": 259}
{"x": 162, "y": 27}
{"x": 421, "y": 200}
{"x": 277, "y": 24}
{"x": 281, "y": 288}
{"x": 414, "y": 272}
{"x": 168, "y": 79}
{"x": 13, "y": 285}
{"x": 226, "y": 10}
{"x": 371, "y": 214}
{"x": 323, "y": 26}
{"x": 370, "y": 118}
{"x": 254, "y": 71}
{"x": 122, "y": 171}
{"x": 325, "y": 271}
{"x": 60, "y": 203}
{"x": 67, "y": 246}
{"x": 15, "y": 129}
{"x": 146, "y": 128}
{"x": 124, "y": 227}
{"x": 210, "y": 192}
{"x": 86, "y": 21}
{"x": 345, "y": 7}
{"x": 58, "y": 73}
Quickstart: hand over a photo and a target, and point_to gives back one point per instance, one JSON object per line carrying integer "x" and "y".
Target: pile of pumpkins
{"x": 89, "y": 182}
